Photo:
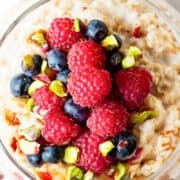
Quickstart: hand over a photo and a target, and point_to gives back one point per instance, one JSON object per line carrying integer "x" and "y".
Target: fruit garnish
{"x": 10, "y": 118}
{"x": 28, "y": 62}
{"x": 136, "y": 156}
{"x": 34, "y": 159}
{"x": 34, "y": 86}
{"x": 63, "y": 75}
{"x": 30, "y": 104}
{"x": 28, "y": 147}
{"x": 106, "y": 147}
{"x": 141, "y": 117}
{"x": 58, "y": 88}
{"x": 111, "y": 42}
{"x": 88, "y": 175}
{"x": 121, "y": 170}
{"x": 71, "y": 154}
{"x": 44, "y": 66}
{"x": 74, "y": 172}
{"x": 31, "y": 133}
{"x": 137, "y": 32}
{"x": 13, "y": 143}
{"x": 77, "y": 25}
{"x": 134, "y": 51}
{"x": 128, "y": 62}
{"x": 42, "y": 77}
{"x": 44, "y": 175}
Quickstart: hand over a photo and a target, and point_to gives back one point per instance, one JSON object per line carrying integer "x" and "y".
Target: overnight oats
{"x": 90, "y": 90}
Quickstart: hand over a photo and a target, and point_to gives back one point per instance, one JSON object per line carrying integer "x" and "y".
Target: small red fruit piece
{"x": 44, "y": 175}
{"x": 89, "y": 88}
{"x": 136, "y": 156}
{"x": 62, "y": 35}
{"x": 133, "y": 84}
{"x": 90, "y": 158}
{"x": 58, "y": 128}
{"x": 45, "y": 100}
{"x": 108, "y": 119}
{"x": 86, "y": 54}
{"x": 13, "y": 144}
{"x": 137, "y": 32}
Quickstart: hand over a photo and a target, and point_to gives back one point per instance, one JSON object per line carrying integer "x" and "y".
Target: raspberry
{"x": 89, "y": 88}
{"x": 45, "y": 100}
{"x": 108, "y": 119}
{"x": 86, "y": 54}
{"x": 90, "y": 158}
{"x": 61, "y": 34}
{"x": 58, "y": 128}
{"x": 134, "y": 84}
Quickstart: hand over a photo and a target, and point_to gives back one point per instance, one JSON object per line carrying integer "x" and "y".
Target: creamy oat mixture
{"x": 161, "y": 56}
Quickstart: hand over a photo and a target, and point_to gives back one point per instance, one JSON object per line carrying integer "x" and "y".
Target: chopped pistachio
{"x": 141, "y": 117}
{"x": 30, "y": 104}
{"x": 28, "y": 62}
{"x": 128, "y": 62}
{"x": 44, "y": 66}
{"x": 88, "y": 175}
{"x": 34, "y": 86}
{"x": 126, "y": 177}
{"x": 106, "y": 147}
{"x": 110, "y": 42}
{"x": 77, "y": 25}
{"x": 121, "y": 170}
{"x": 134, "y": 51}
{"x": 74, "y": 172}
{"x": 58, "y": 88}
{"x": 71, "y": 154}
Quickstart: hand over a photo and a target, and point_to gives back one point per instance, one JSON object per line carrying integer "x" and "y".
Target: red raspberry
{"x": 86, "y": 54}
{"x": 61, "y": 34}
{"x": 108, "y": 119}
{"x": 89, "y": 88}
{"x": 90, "y": 158}
{"x": 134, "y": 84}
{"x": 45, "y": 100}
{"x": 58, "y": 128}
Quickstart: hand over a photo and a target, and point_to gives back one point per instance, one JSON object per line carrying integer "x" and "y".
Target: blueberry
{"x": 119, "y": 40}
{"x": 19, "y": 85}
{"x": 114, "y": 61}
{"x": 96, "y": 30}
{"x": 31, "y": 65}
{"x": 78, "y": 113}
{"x": 34, "y": 159}
{"x": 125, "y": 146}
{"x": 63, "y": 75}
{"x": 52, "y": 154}
{"x": 57, "y": 59}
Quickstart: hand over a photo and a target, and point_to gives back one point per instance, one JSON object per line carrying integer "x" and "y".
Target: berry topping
{"x": 89, "y": 88}
{"x": 137, "y": 32}
{"x": 125, "y": 146}
{"x": 31, "y": 65}
{"x": 90, "y": 157}
{"x": 52, "y": 154}
{"x": 75, "y": 111}
{"x": 96, "y": 30}
{"x": 134, "y": 84}
{"x": 34, "y": 159}
{"x": 86, "y": 54}
{"x": 45, "y": 99}
{"x": 57, "y": 59}
{"x": 19, "y": 85}
{"x": 108, "y": 119}
{"x": 62, "y": 35}
{"x": 58, "y": 128}
{"x": 63, "y": 75}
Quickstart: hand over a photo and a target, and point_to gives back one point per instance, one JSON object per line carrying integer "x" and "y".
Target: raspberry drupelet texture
{"x": 45, "y": 100}
{"x": 90, "y": 158}
{"x": 108, "y": 119}
{"x": 58, "y": 128}
{"x": 89, "y": 88}
{"x": 62, "y": 35}
{"x": 133, "y": 84}
{"x": 86, "y": 54}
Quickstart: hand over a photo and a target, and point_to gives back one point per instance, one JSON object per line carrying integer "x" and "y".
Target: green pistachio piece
{"x": 71, "y": 154}
{"x": 39, "y": 38}
{"x": 58, "y": 88}
{"x": 44, "y": 66}
{"x": 28, "y": 147}
{"x": 31, "y": 133}
{"x": 106, "y": 147}
{"x": 141, "y": 117}
{"x": 126, "y": 177}
{"x": 110, "y": 42}
{"x": 30, "y": 104}
{"x": 88, "y": 175}
{"x": 28, "y": 62}
{"x": 121, "y": 170}
{"x": 128, "y": 62}
{"x": 77, "y": 25}
{"x": 34, "y": 86}
{"x": 74, "y": 172}
{"x": 134, "y": 51}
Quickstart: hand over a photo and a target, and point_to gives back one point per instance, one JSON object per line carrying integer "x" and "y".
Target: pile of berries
{"x": 84, "y": 90}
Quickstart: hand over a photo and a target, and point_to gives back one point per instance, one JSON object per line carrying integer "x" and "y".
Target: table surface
{"x": 7, "y": 170}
